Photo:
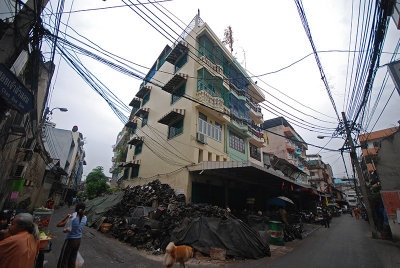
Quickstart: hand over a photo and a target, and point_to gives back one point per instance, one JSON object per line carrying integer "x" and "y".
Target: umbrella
{"x": 286, "y": 199}
{"x": 276, "y": 202}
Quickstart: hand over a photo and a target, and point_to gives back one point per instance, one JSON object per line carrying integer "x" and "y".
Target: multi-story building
{"x": 66, "y": 149}
{"x": 321, "y": 175}
{"x": 370, "y": 144}
{"x": 347, "y": 187}
{"x": 196, "y": 105}
{"x": 287, "y": 147}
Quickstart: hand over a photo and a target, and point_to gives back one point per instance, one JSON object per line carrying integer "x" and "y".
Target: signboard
{"x": 391, "y": 201}
{"x": 394, "y": 70}
{"x": 14, "y": 195}
{"x": 17, "y": 185}
{"x": 14, "y": 92}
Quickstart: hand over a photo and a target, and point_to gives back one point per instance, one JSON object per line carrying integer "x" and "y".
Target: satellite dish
{"x": 75, "y": 129}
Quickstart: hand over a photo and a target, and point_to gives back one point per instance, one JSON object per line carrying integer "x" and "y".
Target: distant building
{"x": 287, "y": 148}
{"x": 321, "y": 175}
{"x": 347, "y": 187}
{"x": 66, "y": 149}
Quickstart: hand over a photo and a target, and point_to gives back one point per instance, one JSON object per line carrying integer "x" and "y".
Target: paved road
{"x": 346, "y": 244}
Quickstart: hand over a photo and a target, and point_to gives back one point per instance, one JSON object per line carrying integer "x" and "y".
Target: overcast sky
{"x": 268, "y": 35}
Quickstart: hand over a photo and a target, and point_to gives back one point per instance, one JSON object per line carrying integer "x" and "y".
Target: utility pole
{"x": 360, "y": 175}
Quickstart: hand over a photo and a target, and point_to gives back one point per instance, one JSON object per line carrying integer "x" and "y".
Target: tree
{"x": 96, "y": 183}
{"x": 95, "y": 175}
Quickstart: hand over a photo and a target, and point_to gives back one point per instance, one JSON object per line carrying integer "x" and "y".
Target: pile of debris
{"x": 170, "y": 213}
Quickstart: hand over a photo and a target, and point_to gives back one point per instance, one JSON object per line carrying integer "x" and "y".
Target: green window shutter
{"x": 145, "y": 119}
{"x": 146, "y": 98}
{"x": 135, "y": 172}
{"x": 138, "y": 148}
{"x": 178, "y": 93}
{"x": 175, "y": 129}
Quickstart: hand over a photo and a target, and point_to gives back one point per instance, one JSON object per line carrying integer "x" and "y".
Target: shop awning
{"x": 174, "y": 82}
{"x": 180, "y": 49}
{"x": 143, "y": 91}
{"x": 142, "y": 112}
{"x": 172, "y": 117}
{"x": 135, "y": 140}
{"x": 135, "y": 102}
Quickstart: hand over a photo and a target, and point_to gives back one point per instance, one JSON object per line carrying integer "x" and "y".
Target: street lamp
{"x": 59, "y": 108}
{"x": 322, "y": 137}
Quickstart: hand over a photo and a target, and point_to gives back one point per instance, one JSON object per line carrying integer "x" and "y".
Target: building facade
{"x": 196, "y": 105}
{"x": 287, "y": 148}
{"x": 321, "y": 175}
{"x": 66, "y": 149}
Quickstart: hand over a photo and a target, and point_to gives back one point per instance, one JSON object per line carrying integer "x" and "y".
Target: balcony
{"x": 214, "y": 102}
{"x": 255, "y": 112}
{"x": 289, "y": 132}
{"x": 370, "y": 152}
{"x": 240, "y": 125}
{"x": 256, "y": 136}
{"x": 290, "y": 148}
{"x": 213, "y": 68}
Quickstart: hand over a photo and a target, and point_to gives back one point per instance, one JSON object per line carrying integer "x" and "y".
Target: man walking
{"x": 325, "y": 216}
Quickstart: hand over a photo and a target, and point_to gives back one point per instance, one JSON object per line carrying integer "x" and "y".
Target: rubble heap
{"x": 171, "y": 212}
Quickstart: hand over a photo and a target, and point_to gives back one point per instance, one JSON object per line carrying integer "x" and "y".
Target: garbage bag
{"x": 79, "y": 260}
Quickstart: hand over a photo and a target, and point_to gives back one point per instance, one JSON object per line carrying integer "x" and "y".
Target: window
{"x": 175, "y": 129}
{"x": 312, "y": 173}
{"x": 178, "y": 93}
{"x": 255, "y": 152}
{"x": 133, "y": 130}
{"x": 214, "y": 132}
{"x": 145, "y": 119}
{"x": 138, "y": 148}
{"x": 146, "y": 99}
{"x": 200, "y": 155}
{"x": 135, "y": 172}
{"x": 179, "y": 64}
{"x": 236, "y": 142}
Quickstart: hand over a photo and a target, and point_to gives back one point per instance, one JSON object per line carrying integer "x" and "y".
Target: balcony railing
{"x": 254, "y": 106}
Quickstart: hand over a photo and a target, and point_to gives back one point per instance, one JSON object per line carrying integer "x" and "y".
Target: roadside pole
{"x": 360, "y": 175}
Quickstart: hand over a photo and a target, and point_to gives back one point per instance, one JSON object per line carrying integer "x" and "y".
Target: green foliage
{"x": 96, "y": 183}
{"x": 95, "y": 175}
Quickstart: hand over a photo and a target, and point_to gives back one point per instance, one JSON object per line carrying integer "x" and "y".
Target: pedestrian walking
{"x": 325, "y": 216}
{"x": 21, "y": 248}
{"x": 72, "y": 241}
{"x": 356, "y": 213}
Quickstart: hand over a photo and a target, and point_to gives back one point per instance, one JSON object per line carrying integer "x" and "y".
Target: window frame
{"x": 145, "y": 119}
{"x": 138, "y": 148}
{"x": 178, "y": 131}
{"x": 182, "y": 91}
{"x": 146, "y": 98}
{"x": 236, "y": 142}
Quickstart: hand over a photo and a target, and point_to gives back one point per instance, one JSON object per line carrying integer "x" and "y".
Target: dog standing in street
{"x": 179, "y": 254}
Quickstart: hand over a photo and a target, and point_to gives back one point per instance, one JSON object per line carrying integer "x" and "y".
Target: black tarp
{"x": 236, "y": 237}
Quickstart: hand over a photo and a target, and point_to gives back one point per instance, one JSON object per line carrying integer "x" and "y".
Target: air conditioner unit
{"x": 200, "y": 137}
